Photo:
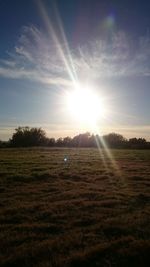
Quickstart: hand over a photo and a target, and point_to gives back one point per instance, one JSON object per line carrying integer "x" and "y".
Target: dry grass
{"x": 82, "y": 212}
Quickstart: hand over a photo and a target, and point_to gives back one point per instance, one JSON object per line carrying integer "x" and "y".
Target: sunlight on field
{"x": 69, "y": 207}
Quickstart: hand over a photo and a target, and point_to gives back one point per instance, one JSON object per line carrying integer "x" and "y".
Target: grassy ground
{"x": 88, "y": 211}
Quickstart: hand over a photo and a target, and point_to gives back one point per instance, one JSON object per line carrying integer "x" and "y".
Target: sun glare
{"x": 85, "y": 106}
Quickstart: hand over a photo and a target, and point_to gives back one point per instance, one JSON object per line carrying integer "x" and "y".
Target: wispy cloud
{"x": 120, "y": 56}
{"x": 37, "y": 57}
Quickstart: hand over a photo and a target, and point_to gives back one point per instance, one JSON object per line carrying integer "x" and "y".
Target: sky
{"x": 46, "y": 47}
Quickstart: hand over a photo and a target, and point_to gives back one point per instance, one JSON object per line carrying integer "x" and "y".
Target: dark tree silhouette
{"x": 92, "y": 141}
{"x": 137, "y": 142}
{"x": 114, "y": 140}
{"x": 67, "y": 141}
{"x": 59, "y": 142}
{"x": 81, "y": 140}
{"x": 51, "y": 142}
{"x": 25, "y": 136}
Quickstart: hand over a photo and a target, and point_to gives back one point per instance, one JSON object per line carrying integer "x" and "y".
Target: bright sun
{"x": 85, "y": 106}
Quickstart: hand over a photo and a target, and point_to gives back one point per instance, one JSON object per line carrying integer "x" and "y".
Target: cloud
{"x": 120, "y": 56}
{"x": 39, "y": 57}
{"x": 35, "y": 57}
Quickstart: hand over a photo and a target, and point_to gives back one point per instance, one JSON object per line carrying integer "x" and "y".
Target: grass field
{"x": 86, "y": 211}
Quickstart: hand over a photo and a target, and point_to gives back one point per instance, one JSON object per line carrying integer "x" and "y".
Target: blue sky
{"x": 46, "y": 45}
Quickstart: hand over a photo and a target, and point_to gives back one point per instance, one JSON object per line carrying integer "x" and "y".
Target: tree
{"x": 137, "y": 142}
{"x": 51, "y": 141}
{"x": 92, "y": 142}
{"x": 81, "y": 140}
{"x": 114, "y": 140}
{"x": 67, "y": 141}
{"x": 1, "y": 143}
{"x": 25, "y": 136}
{"x": 59, "y": 142}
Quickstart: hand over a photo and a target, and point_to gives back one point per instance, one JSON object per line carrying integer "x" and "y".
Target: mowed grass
{"x": 91, "y": 210}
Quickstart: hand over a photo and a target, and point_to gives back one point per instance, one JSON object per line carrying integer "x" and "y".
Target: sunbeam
{"x": 68, "y": 63}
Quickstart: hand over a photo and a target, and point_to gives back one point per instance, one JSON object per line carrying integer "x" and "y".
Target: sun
{"x": 85, "y": 105}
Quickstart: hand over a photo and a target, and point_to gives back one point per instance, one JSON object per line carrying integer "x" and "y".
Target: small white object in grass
{"x": 65, "y": 159}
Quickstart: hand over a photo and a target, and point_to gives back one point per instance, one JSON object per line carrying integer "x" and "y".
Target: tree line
{"x": 29, "y": 137}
